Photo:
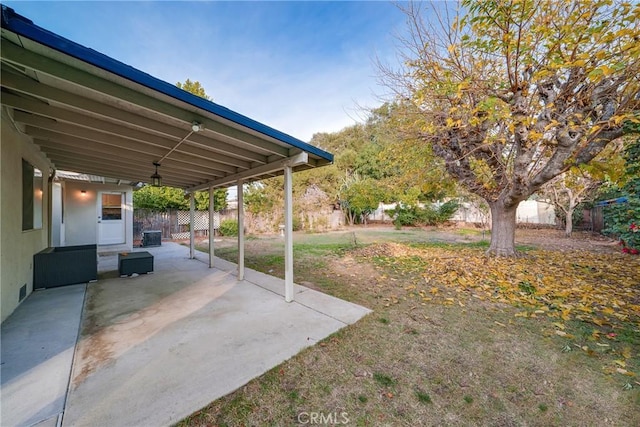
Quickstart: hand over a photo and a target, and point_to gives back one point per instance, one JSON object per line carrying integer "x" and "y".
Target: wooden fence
{"x": 174, "y": 224}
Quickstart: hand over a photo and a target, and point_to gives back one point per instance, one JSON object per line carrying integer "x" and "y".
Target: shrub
{"x": 296, "y": 223}
{"x": 229, "y": 227}
{"x": 428, "y": 215}
{"x": 403, "y": 215}
{"x": 446, "y": 211}
{"x": 623, "y": 219}
{"x": 624, "y": 222}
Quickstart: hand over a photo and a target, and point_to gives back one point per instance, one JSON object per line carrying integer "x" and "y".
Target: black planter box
{"x": 65, "y": 265}
{"x": 135, "y": 262}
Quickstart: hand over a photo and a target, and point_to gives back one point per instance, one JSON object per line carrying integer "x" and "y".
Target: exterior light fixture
{"x": 156, "y": 179}
{"x": 196, "y": 126}
{"x": 83, "y": 192}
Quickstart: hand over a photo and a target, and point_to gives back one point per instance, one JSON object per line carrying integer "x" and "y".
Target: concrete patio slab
{"x": 38, "y": 342}
{"x": 155, "y": 348}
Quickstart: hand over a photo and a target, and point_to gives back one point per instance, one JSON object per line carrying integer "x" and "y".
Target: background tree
{"x": 580, "y": 184}
{"x": 195, "y": 88}
{"x": 359, "y": 197}
{"x": 567, "y": 191}
{"x": 376, "y": 157}
{"x": 219, "y": 200}
{"x": 260, "y": 197}
{"x": 163, "y": 198}
{"x": 159, "y": 198}
{"x": 514, "y": 93}
{"x": 411, "y": 171}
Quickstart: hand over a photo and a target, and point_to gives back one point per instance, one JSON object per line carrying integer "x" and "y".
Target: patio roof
{"x": 92, "y": 114}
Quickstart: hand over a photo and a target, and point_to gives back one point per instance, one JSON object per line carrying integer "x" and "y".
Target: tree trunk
{"x": 503, "y": 230}
{"x": 350, "y": 216}
{"x": 568, "y": 228}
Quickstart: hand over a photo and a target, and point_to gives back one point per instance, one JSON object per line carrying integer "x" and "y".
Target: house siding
{"x": 81, "y": 212}
{"x": 16, "y": 246}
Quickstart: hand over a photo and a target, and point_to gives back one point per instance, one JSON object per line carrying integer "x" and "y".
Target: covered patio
{"x": 152, "y": 349}
{"x": 88, "y": 113}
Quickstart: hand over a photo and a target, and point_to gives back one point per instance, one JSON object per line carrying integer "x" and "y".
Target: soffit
{"x": 89, "y": 120}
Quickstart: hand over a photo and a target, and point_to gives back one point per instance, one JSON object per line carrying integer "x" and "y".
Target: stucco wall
{"x": 16, "y": 246}
{"x": 528, "y": 212}
{"x": 535, "y": 212}
{"x": 81, "y": 212}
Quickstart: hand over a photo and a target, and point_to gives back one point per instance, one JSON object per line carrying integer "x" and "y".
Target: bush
{"x": 296, "y": 224}
{"x": 446, "y": 211}
{"x": 623, "y": 223}
{"x": 229, "y": 227}
{"x": 623, "y": 219}
{"x": 428, "y": 215}
{"x": 403, "y": 215}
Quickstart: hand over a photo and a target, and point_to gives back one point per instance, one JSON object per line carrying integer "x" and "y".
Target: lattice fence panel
{"x": 200, "y": 219}
{"x": 175, "y": 224}
{"x": 200, "y": 222}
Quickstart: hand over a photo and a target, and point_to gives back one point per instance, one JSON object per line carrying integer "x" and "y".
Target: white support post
{"x": 240, "y": 230}
{"x": 50, "y": 209}
{"x": 192, "y": 240}
{"x": 212, "y": 228}
{"x": 288, "y": 233}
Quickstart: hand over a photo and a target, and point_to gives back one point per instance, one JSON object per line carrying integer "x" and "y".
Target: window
{"x": 32, "y": 193}
{"x": 111, "y": 206}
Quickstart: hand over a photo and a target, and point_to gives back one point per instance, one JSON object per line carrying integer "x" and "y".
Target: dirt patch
{"x": 555, "y": 240}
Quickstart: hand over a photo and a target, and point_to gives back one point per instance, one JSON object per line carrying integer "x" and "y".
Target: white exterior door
{"x": 110, "y": 218}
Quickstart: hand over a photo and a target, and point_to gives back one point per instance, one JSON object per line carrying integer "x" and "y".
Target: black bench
{"x": 134, "y": 262}
{"x": 65, "y": 265}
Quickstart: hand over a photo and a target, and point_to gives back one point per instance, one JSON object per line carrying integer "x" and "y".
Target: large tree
{"x": 513, "y": 93}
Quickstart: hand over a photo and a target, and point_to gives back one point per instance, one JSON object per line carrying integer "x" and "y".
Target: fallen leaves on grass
{"x": 603, "y": 289}
{"x": 599, "y": 291}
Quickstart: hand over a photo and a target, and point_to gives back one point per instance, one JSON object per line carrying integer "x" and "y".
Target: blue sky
{"x": 301, "y": 67}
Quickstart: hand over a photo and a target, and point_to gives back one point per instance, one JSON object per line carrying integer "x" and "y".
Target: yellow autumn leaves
{"x": 591, "y": 300}
{"x": 603, "y": 289}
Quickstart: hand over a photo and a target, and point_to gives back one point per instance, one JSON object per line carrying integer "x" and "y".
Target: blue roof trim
{"x": 612, "y": 201}
{"x": 22, "y": 26}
